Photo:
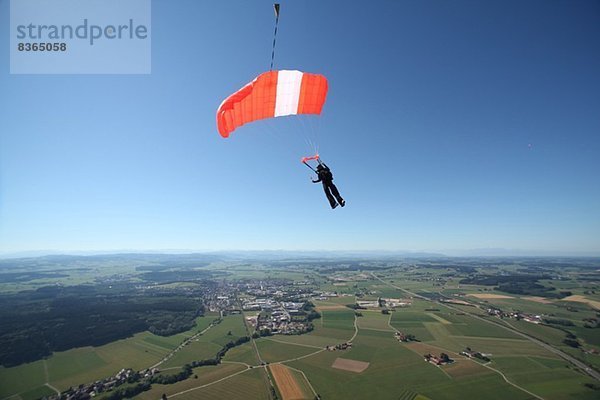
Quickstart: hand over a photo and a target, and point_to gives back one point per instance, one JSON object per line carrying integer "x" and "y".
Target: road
{"x": 589, "y": 371}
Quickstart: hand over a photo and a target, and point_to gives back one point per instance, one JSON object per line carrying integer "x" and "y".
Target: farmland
{"x": 349, "y": 351}
{"x": 64, "y": 369}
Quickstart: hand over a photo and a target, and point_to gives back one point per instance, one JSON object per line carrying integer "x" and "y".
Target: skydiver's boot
{"x": 343, "y": 203}
{"x": 334, "y": 205}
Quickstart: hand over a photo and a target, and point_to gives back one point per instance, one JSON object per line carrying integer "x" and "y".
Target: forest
{"x": 37, "y": 323}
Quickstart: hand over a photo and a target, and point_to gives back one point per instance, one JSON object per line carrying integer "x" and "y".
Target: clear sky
{"x": 448, "y": 126}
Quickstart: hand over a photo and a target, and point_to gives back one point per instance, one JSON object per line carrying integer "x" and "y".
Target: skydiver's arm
{"x": 317, "y": 181}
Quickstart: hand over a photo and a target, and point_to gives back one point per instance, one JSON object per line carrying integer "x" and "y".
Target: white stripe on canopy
{"x": 288, "y": 92}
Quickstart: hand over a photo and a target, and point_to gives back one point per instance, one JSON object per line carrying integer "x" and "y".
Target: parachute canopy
{"x": 272, "y": 94}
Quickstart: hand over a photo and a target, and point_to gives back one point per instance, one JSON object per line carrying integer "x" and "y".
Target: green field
{"x": 320, "y": 337}
{"x": 248, "y": 385}
{"x": 250, "y": 382}
{"x": 547, "y": 377}
{"x": 373, "y": 320}
{"x": 475, "y": 328}
{"x": 271, "y": 351}
{"x": 342, "y": 319}
{"x": 243, "y": 354}
{"x": 21, "y": 379}
{"x": 208, "y": 344}
{"x": 86, "y": 364}
{"x": 404, "y": 315}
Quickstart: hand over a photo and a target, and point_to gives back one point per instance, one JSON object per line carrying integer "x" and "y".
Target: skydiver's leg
{"x": 336, "y": 193}
{"x": 329, "y": 196}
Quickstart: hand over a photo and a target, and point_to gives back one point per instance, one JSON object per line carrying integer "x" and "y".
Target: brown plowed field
{"x": 286, "y": 383}
{"x": 350, "y": 365}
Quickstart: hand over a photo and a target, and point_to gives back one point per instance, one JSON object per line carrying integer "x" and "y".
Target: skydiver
{"x": 326, "y": 177}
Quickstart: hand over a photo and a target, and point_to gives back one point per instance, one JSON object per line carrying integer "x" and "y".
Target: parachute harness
{"x": 305, "y": 159}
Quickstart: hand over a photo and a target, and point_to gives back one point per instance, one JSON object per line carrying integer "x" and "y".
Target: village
{"x": 518, "y": 315}
{"x": 90, "y": 390}
{"x": 274, "y": 306}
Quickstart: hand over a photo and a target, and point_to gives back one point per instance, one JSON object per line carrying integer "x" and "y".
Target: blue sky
{"x": 448, "y": 125}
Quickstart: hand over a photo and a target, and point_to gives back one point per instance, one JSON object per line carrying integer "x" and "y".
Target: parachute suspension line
{"x": 319, "y": 124}
{"x": 276, "y": 8}
{"x": 277, "y": 134}
{"x": 272, "y": 131}
{"x": 304, "y": 127}
{"x": 316, "y": 126}
{"x": 303, "y": 131}
{"x": 300, "y": 128}
{"x": 314, "y": 123}
{"x": 312, "y": 139}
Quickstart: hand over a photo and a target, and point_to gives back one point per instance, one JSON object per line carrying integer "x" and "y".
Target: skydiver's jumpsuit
{"x": 326, "y": 177}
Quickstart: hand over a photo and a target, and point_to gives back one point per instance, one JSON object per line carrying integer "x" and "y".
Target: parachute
{"x": 276, "y": 94}
{"x": 272, "y": 94}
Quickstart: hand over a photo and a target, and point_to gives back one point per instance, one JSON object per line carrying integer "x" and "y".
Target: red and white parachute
{"x": 272, "y": 94}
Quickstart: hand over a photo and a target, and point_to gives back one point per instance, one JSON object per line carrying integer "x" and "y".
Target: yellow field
{"x": 537, "y": 299}
{"x": 583, "y": 299}
{"x": 490, "y": 296}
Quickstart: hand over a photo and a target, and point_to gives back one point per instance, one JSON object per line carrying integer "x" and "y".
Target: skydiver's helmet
{"x": 320, "y": 167}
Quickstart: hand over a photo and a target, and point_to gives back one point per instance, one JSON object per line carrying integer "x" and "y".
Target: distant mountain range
{"x": 297, "y": 254}
{"x": 229, "y": 254}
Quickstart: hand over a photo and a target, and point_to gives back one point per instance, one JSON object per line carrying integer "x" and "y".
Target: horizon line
{"x": 454, "y": 253}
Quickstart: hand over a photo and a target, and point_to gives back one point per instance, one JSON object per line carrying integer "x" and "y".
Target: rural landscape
{"x": 299, "y": 200}
{"x": 289, "y": 326}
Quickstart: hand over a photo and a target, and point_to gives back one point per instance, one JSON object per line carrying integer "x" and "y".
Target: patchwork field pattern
{"x": 376, "y": 365}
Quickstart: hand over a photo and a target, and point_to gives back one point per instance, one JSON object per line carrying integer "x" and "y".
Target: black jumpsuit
{"x": 326, "y": 177}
